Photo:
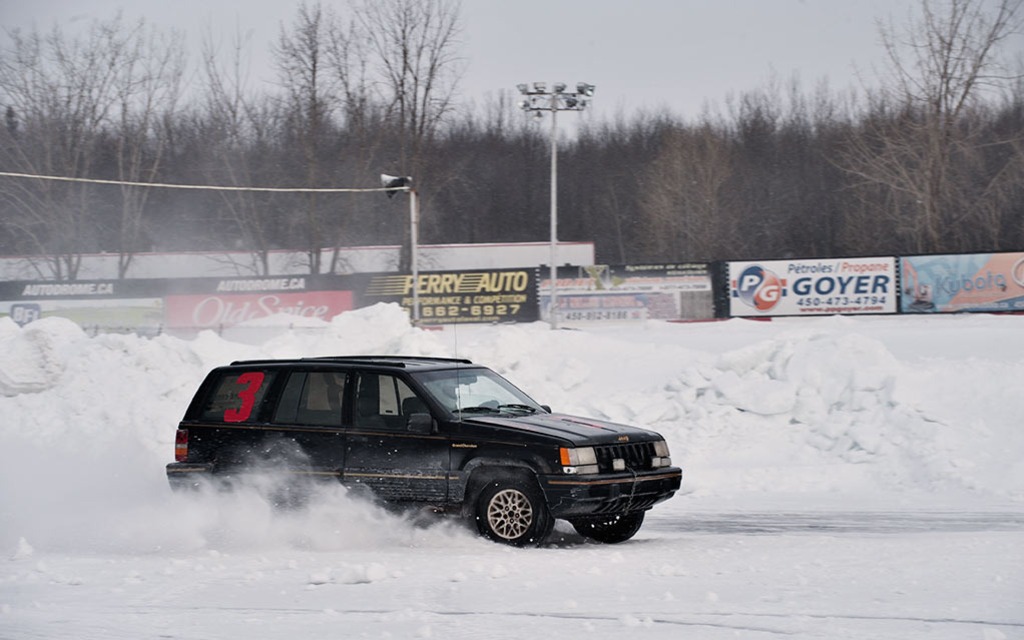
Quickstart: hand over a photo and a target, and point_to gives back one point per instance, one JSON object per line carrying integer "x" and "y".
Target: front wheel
{"x": 513, "y": 511}
{"x": 610, "y": 529}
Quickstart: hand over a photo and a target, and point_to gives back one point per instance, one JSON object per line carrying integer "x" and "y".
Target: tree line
{"x": 929, "y": 161}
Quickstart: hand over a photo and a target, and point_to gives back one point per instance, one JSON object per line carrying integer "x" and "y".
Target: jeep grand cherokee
{"x": 437, "y": 432}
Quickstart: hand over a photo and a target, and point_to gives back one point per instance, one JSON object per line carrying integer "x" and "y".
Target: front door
{"x": 397, "y": 464}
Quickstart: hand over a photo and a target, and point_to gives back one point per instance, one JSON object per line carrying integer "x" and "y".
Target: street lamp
{"x": 536, "y": 99}
{"x": 404, "y": 183}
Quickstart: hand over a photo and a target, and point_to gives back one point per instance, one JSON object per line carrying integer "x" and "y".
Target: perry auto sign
{"x": 450, "y": 297}
{"x": 812, "y": 287}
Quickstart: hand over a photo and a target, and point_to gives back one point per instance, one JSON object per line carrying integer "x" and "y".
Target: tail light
{"x": 181, "y": 445}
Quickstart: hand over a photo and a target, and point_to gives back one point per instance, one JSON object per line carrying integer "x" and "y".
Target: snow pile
{"x": 808, "y": 406}
{"x": 812, "y": 411}
{"x": 32, "y": 358}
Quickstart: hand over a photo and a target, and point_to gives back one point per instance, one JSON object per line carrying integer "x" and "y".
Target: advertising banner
{"x": 124, "y": 314}
{"x": 812, "y": 287}
{"x": 609, "y": 293}
{"x": 153, "y": 305}
{"x": 191, "y": 304}
{"x": 452, "y": 297}
{"x": 125, "y": 305}
{"x": 218, "y": 310}
{"x": 216, "y": 303}
{"x": 981, "y": 282}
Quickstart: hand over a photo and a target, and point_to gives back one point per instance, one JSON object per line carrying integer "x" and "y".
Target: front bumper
{"x": 569, "y": 496}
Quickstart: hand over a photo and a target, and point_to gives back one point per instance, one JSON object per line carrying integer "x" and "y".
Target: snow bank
{"x": 810, "y": 406}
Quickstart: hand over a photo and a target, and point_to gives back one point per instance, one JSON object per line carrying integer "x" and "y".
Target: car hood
{"x": 577, "y": 430}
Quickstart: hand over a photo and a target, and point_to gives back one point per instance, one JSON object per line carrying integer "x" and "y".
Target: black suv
{"x": 436, "y": 432}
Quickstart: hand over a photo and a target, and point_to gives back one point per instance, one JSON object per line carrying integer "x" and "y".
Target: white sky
{"x": 648, "y": 54}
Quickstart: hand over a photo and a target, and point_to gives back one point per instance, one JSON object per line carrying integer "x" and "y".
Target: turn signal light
{"x": 577, "y": 460}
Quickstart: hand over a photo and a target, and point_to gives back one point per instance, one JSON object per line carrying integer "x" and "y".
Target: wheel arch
{"x": 481, "y": 471}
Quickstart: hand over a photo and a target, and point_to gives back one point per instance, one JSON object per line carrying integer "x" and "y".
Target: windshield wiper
{"x": 513, "y": 407}
{"x": 480, "y": 409}
{"x": 525, "y": 408}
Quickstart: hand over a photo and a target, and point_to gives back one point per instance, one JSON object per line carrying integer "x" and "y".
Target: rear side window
{"x": 315, "y": 398}
{"x": 237, "y": 396}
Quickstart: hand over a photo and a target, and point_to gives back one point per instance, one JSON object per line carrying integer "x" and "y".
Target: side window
{"x": 408, "y": 402}
{"x": 314, "y": 398}
{"x": 384, "y": 401}
{"x": 237, "y": 396}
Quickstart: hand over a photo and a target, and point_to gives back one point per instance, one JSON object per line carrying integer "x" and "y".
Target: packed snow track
{"x": 844, "y": 478}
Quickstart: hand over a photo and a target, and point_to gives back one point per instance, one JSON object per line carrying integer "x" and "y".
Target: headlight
{"x": 661, "y": 457}
{"x": 578, "y": 460}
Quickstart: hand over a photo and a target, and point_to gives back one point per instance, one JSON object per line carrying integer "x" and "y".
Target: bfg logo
{"x": 759, "y": 288}
{"x": 24, "y": 313}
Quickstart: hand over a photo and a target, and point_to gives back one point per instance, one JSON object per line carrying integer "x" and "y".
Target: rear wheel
{"x": 610, "y": 529}
{"x": 513, "y": 511}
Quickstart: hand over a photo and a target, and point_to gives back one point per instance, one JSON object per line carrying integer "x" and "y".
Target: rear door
{"x": 382, "y": 453}
{"x": 306, "y": 434}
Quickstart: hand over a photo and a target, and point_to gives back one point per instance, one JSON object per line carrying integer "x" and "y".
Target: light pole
{"x": 404, "y": 183}
{"x": 536, "y": 99}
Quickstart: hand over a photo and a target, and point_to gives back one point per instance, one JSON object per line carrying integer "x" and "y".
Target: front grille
{"x": 637, "y": 456}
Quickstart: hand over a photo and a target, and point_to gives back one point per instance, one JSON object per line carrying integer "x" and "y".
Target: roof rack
{"x": 391, "y": 361}
{"x": 397, "y": 360}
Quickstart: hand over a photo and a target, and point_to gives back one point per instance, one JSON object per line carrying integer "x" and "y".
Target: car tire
{"x": 512, "y": 511}
{"x": 609, "y": 529}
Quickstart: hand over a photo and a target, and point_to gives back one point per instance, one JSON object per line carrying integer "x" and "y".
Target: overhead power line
{"x": 206, "y": 187}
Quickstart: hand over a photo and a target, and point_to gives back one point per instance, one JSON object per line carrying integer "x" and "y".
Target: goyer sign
{"x": 812, "y": 287}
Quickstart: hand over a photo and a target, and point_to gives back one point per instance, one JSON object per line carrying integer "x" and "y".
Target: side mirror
{"x": 421, "y": 423}
{"x": 546, "y": 408}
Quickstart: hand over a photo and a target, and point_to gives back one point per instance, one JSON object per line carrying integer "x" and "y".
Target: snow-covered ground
{"x": 843, "y": 478}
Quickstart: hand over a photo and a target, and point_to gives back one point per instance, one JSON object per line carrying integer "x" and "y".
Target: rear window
{"x": 237, "y": 396}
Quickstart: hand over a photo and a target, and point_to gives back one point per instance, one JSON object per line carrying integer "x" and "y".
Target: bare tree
{"x": 310, "y": 92}
{"x": 922, "y": 142}
{"x": 60, "y": 90}
{"x": 147, "y": 86}
{"x": 414, "y": 44}
{"x": 684, "y": 196}
{"x": 238, "y": 125}
{"x": 363, "y": 138}
{"x": 414, "y": 47}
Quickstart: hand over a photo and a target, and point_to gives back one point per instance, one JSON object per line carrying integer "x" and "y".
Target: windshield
{"x": 476, "y": 391}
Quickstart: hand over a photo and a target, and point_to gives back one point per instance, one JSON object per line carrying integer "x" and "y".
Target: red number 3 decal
{"x": 252, "y": 380}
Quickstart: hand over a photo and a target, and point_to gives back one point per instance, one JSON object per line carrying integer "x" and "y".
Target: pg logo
{"x": 759, "y": 288}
